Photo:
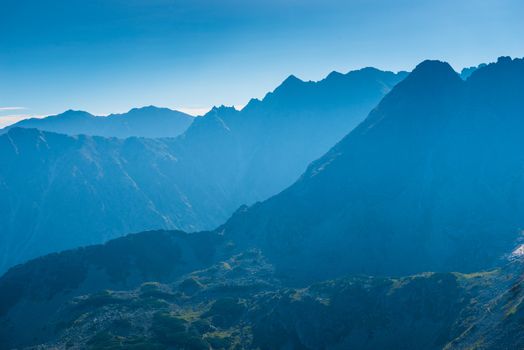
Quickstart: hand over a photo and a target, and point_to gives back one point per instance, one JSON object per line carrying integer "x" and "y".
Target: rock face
{"x": 59, "y": 192}
{"x": 148, "y": 121}
{"x": 431, "y": 180}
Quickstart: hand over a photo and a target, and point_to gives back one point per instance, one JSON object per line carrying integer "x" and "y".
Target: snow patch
{"x": 518, "y": 252}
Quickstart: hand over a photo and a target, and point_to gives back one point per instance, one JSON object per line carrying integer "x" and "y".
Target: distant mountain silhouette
{"x": 145, "y": 122}
{"x": 59, "y": 191}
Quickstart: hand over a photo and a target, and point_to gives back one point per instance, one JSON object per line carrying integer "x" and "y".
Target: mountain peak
{"x": 146, "y": 108}
{"x": 334, "y": 75}
{"x": 433, "y": 70}
{"x": 292, "y": 79}
{"x": 221, "y": 111}
{"x": 433, "y": 67}
{"x": 505, "y": 68}
{"x": 290, "y": 86}
{"x": 290, "y": 82}
{"x": 140, "y": 111}
{"x": 71, "y": 113}
{"x": 504, "y": 59}
{"x": 223, "y": 108}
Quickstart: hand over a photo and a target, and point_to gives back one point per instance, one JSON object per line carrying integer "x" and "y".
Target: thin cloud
{"x": 3, "y": 109}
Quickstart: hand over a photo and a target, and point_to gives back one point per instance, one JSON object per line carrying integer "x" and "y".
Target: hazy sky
{"x": 107, "y": 56}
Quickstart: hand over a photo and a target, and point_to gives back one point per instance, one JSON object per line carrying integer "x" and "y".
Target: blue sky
{"x": 112, "y": 55}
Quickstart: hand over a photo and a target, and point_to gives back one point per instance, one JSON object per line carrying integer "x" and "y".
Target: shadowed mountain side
{"x": 432, "y": 180}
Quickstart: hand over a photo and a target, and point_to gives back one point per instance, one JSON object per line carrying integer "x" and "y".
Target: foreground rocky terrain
{"x": 166, "y": 292}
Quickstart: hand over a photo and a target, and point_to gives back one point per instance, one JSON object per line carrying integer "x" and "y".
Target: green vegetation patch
{"x": 174, "y": 331}
{"x": 225, "y": 311}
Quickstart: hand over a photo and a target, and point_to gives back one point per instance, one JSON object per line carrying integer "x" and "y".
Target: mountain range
{"x": 143, "y": 122}
{"x": 63, "y": 191}
{"x": 431, "y": 180}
